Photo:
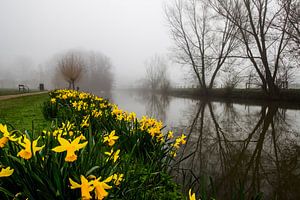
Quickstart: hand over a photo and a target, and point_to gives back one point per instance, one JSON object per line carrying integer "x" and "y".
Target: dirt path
{"x": 20, "y": 95}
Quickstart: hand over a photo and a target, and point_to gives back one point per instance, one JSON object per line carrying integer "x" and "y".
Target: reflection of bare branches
{"x": 156, "y": 105}
{"x": 263, "y": 155}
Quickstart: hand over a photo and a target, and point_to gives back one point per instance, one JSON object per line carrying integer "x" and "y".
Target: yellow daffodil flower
{"x": 115, "y": 154}
{"x": 111, "y": 138}
{"x": 26, "y": 153}
{"x": 182, "y": 138}
{"x": 173, "y": 153}
{"x": 85, "y": 186}
{"x": 84, "y": 122}
{"x": 3, "y": 141}
{"x": 70, "y": 147}
{"x": 192, "y": 196}
{"x": 6, "y": 136}
{"x": 102, "y": 105}
{"x": 53, "y": 100}
{"x": 64, "y": 96}
{"x": 118, "y": 178}
{"x": 74, "y": 104}
{"x": 5, "y": 172}
{"x": 170, "y": 135}
{"x": 131, "y": 116}
{"x": 179, "y": 140}
{"x": 101, "y": 187}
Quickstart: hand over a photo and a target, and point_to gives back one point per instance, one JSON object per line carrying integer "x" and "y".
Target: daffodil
{"x": 118, "y": 178}
{"x": 64, "y": 96}
{"x": 74, "y": 104}
{"x": 111, "y": 138}
{"x": 101, "y": 187}
{"x": 114, "y": 154}
{"x": 3, "y": 141}
{"x": 5, "y": 172}
{"x": 131, "y": 116}
{"x": 170, "y": 135}
{"x": 85, "y": 186}
{"x": 53, "y": 100}
{"x": 70, "y": 147}
{"x": 173, "y": 153}
{"x": 6, "y": 136}
{"x": 26, "y": 153}
{"x": 192, "y": 196}
{"x": 179, "y": 140}
{"x": 84, "y": 122}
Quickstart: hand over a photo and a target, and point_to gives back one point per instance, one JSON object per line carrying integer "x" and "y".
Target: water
{"x": 253, "y": 148}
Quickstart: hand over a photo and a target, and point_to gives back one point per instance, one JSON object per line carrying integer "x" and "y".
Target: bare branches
{"x": 156, "y": 73}
{"x": 203, "y": 41}
{"x": 71, "y": 65}
{"x": 262, "y": 26}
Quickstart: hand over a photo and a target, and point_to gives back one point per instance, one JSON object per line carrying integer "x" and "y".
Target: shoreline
{"x": 288, "y": 98}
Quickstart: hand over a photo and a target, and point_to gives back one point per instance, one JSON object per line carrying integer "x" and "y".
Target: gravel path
{"x": 20, "y": 95}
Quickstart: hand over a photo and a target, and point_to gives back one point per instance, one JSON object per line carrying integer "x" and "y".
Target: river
{"x": 233, "y": 149}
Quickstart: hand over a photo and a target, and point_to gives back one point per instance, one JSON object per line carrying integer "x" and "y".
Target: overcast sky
{"x": 127, "y": 31}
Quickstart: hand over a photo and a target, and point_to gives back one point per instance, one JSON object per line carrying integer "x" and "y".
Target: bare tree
{"x": 263, "y": 40}
{"x": 292, "y": 8}
{"x": 71, "y": 65}
{"x": 99, "y": 76}
{"x": 203, "y": 42}
{"x": 156, "y": 73}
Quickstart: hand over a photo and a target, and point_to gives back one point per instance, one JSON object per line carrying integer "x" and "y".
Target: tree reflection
{"x": 252, "y": 148}
{"x": 156, "y": 104}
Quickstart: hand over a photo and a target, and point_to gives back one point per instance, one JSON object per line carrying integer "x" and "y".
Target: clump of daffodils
{"x": 90, "y": 136}
{"x": 95, "y": 185}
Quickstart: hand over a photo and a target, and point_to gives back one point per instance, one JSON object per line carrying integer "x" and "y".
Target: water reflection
{"x": 235, "y": 145}
{"x": 254, "y": 147}
{"x": 156, "y": 105}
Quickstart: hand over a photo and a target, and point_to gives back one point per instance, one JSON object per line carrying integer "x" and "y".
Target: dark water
{"x": 241, "y": 147}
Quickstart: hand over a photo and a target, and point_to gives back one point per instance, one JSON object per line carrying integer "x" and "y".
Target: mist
{"x": 34, "y": 31}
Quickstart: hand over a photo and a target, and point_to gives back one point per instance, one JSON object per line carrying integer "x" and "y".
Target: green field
{"x": 8, "y": 91}
{"x": 24, "y": 113}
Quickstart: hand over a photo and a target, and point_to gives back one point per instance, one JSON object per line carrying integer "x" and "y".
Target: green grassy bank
{"x": 93, "y": 150}
{"x": 10, "y": 91}
{"x": 24, "y": 112}
{"x": 7, "y": 91}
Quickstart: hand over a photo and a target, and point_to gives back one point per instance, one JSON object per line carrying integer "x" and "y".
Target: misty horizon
{"x": 129, "y": 33}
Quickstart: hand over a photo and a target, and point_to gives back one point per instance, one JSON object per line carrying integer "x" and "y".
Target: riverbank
{"x": 131, "y": 155}
{"x": 252, "y": 96}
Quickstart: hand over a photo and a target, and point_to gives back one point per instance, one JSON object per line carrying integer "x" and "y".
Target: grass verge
{"x": 24, "y": 113}
{"x": 9, "y": 91}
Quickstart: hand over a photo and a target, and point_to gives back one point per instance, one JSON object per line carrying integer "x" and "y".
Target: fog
{"x": 34, "y": 31}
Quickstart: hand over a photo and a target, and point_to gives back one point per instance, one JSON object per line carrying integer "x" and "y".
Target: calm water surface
{"x": 256, "y": 148}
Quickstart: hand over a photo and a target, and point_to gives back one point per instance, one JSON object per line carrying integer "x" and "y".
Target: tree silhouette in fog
{"x": 91, "y": 71}
{"x": 71, "y": 66}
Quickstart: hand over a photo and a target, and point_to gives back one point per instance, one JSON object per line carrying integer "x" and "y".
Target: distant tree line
{"x": 212, "y": 36}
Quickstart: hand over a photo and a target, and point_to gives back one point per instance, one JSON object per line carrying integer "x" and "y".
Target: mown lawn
{"x": 8, "y": 91}
{"x": 24, "y": 113}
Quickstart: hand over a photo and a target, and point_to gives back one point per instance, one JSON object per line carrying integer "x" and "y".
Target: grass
{"x": 24, "y": 112}
{"x": 12, "y": 91}
{"x": 6, "y": 91}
